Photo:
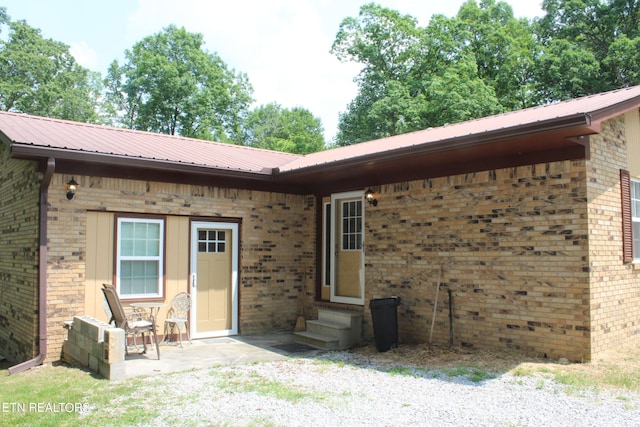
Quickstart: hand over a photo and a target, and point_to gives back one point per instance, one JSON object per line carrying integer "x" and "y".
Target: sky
{"x": 282, "y": 45}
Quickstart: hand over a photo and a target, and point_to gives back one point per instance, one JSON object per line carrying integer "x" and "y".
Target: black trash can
{"x": 384, "y": 313}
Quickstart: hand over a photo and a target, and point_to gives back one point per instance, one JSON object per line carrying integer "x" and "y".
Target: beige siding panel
{"x": 632, "y": 125}
{"x": 99, "y": 267}
{"x": 176, "y": 261}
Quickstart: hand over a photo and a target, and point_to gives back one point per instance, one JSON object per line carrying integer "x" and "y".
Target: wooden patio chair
{"x": 134, "y": 323}
{"x": 180, "y": 306}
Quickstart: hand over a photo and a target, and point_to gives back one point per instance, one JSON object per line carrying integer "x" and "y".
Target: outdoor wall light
{"x": 369, "y": 196}
{"x": 72, "y": 186}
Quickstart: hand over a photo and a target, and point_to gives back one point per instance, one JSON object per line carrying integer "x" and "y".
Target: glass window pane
{"x": 153, "y": 248}
{"x": 153, "y": 231}
{"x": 138, "y": 241}
{"x": 126, "y": 247}
{"x": 139, "y": 231}
{"x": 202, "y": 247}
{"x": 221, "y": 235}
{"x": 221, "y": 247}
{"x": 126, "y": 230}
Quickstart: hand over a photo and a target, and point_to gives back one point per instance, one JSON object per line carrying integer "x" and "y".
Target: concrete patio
{"x": 205, "y": 353}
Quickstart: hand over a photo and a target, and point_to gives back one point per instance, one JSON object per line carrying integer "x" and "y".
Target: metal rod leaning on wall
{"x": 435, "y": 305}
{"x": 450, "y": 320}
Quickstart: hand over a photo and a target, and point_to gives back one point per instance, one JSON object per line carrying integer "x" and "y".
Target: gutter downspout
{"x": 42, "y": 273}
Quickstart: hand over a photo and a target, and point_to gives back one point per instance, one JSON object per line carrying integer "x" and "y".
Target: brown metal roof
{"x": 540, "y": 134}
{"x": 588, "y": 111}
{"x": 27, "y": 132}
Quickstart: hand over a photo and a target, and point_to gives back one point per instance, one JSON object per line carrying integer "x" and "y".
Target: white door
{"x": 214, "y": 279}
{"x": 347, "y": 241}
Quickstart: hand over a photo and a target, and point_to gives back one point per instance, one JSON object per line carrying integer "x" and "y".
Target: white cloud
{"x": 84, "y": 55}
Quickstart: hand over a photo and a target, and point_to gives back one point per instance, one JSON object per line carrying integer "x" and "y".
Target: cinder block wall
{"x": 277, "y": 241}
{"x": 512, "y": 245}
{"x": 615, "y": 287}
{"x": 19, "y": 216}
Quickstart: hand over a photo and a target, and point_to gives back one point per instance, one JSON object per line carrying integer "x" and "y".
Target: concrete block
{"x": 113, "y": 371}
{"x": 94, "y": 363}
{"x": 92, "y": 328}
{"x": 114, "y": 345}
{"x": 97, "y": 349}
{"x": 74, "y": 354}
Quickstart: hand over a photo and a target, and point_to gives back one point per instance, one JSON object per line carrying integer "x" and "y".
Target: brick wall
{"x": 512, "y": 244}
{"x": 19, "y": 195}
{"x": 615, "y": 287}
{"x": 277, "y": 240}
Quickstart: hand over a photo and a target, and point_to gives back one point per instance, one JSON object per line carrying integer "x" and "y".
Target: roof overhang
{"x": 565, "y": 138}
{"x": 556, "y": 140}
{"x": 116, "y": 166}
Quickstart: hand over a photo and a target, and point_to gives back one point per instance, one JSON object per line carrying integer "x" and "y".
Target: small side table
{"x": 154, "y": 307}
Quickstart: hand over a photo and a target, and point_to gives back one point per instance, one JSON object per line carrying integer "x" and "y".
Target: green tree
{"x": 504, "y": 50}
{"x": 170, "y": 84}
{"x": 40, "y": 76}
{"x": 412, "y": 78}
{"x": 273, "y": 127}
{"x": 588, "y": 46}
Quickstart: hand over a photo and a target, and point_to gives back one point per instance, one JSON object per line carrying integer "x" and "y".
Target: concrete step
{"x": 339, "y": 316}
{"x": 323, "y": 327}
{"x": 344, "y": 317}
{"x": 331, "y": 330}
{"x": 316, "y": 340}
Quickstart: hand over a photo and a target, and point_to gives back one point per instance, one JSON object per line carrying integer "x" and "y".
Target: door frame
{"x": 193, "y": 279}
{"x": 335, "y": 199}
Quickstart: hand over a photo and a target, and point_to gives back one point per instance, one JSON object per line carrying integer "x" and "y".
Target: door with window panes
{"x": 214, "y": 279}
{"x": 347, "y": 223}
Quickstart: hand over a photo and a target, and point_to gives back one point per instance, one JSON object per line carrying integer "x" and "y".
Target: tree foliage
{"x": 481, "y": 62}
{"x": 587, "y": 46}
{"x": 412, "y": 77}
{"x": 273, "y": 127}
{"x": 40, "y": 76}
{"x": 170, "y": 84}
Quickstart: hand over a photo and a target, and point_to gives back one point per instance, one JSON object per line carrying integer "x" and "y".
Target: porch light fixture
{"x": 72, "y": 186}
{"x": 369, "y": 196}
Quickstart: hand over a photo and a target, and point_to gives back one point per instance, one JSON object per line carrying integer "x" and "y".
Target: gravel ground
{"x": 346, "y": 389}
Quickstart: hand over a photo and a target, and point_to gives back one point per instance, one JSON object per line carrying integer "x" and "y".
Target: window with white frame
{"x": 635, "y": 217}
{"x": 140, "y": 263}
{"x": 352, "y": 225}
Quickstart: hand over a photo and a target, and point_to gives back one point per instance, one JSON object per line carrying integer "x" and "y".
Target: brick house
{"x": 527, "y": 218}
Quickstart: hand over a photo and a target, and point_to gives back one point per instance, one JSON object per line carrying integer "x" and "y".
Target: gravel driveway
{"x": 342, "y": 389}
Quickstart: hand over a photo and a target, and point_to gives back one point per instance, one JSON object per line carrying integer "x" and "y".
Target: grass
{"x": 65, "y": 396}
{"x": 265, "y": 387}
{"x": 577, "y": 378}
{"x": 472, "y": 373}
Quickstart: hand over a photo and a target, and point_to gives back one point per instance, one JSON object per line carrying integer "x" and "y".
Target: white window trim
{"x": 635, "y": 216}
{"x": 359, "y": 234}
{"x": 334, "y": 202}
{"x": 159, "y": 258}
